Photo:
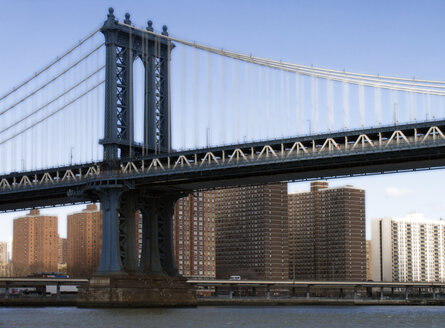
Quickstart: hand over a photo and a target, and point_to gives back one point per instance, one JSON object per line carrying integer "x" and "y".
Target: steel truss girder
{"x": 405, "y": 147}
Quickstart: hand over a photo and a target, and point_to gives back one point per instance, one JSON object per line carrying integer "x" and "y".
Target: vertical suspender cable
{"x": 393, "y": 105}
{"x": 288, "y": 105}
{"x": 223, "y": 99}
{"x": 281, "y": 105}
{"x": 246, "y": 96}
{"x": 98, "y": 113}
{"x": 361, "y": 97}
{"x": 428, "y": 107}
{"x": 183, "y": 104}
{"x": 345, "y": 105}
{"x": 209, "y": 99}
{"x": 260, "y": 102}
{"x": 144, "y": 104}
{"x": 297, "y": 103}
{"x": 330, "y": 91}
{"x": 409, "y": 106}
{"x": 252, "y": 103}
{"x": 130, "y": 87}
{"x": 196, "y": 120}
{"x": 236, "y": 110}
{"x": 378, "y": 105}
{"x": 267, "y": 103}
{"x": 441, "y": 106}
{"x": 302, "y": 102}
{"x": 313, "y": 105}
{"x": 169, "y": 108}
{"x": 274, "y": 111}
{"x": 316, "y": 126}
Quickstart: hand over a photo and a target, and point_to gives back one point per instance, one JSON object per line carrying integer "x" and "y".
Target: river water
{"x": 278, "y": 316}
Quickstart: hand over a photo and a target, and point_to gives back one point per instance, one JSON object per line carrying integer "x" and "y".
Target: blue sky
{"x": 401, "y": 38}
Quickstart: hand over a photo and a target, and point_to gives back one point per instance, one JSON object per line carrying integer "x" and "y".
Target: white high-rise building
{"x": 408, "y": 249}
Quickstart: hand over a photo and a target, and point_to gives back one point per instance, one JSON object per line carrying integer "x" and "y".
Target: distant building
{"x": 252, "y": 232}
{"x": 327, "y": 233}
{"x": 35, "y": 244}
{"x": 3, "y": 252}
{"x": 84, "y": 241}
{"x": 408, "y": 249}
{"x": 368, "y": 260}
{"x": 194, "y": 235}
{"x": 62, "y": 251}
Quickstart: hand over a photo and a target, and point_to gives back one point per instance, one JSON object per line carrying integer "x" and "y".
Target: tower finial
{"x": 127, "y": 19}
{"x": 110, "y": 13}
{"x": 164, "y": 30}
{"x": 150, "y": 26}
{"x": 111, "y": 20}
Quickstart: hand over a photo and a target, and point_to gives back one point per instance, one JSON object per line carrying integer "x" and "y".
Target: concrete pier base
{"x": 136, "y": 291}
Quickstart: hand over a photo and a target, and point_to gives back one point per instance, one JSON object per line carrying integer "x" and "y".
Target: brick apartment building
{"x": 84, "y": 241}
{"x": 35, "y": 244}
{"x": 327, "y": 238}
{"x": 252, "y": 232}
{"x": 194, "y": 235}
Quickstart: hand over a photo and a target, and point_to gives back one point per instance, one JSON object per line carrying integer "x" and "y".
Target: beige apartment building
{"x": 35, "y": 244}
{"x": 3, "y": 252}
{"x": 368, "y": 260}
{"x": 409, "y": 249}
{"x": 327, "y": 239}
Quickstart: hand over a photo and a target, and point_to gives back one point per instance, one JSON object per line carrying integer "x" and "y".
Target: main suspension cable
{"x": 52, "y": 80}
{"x": 50, "y": 65}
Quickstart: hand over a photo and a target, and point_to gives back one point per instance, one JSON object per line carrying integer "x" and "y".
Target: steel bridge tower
{"x": 125, "y": 44}
{"x": 120, "y": 279}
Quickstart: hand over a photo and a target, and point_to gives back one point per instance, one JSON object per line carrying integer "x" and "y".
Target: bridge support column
{"x": 110, "y": 261}
{"x": 127, "y": 232}
{"x": 308, "y": 292}
{"x": 381, "y": 293}
{"x": 406, "y": 292}
{"x": 150, "y": 259}
{"x": 155, "y": 282}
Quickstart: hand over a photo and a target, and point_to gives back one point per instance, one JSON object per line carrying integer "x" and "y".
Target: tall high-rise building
{"x": 327, "y": 233}
{"x": 408, "y": 249}
{"x": 252, "y": 232}
{"x": 368, "y": 260}
{"x": 194, "y": 235}
{"x": 84, "y": 241}
{"x": 35, "y": 243}
{"x": 3, "y": 252}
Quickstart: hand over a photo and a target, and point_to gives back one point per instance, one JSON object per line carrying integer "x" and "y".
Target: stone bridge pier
{"x": 121, "y": 279}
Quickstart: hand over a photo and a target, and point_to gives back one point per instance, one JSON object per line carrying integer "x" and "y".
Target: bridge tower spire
{"x": 124, "y": 44}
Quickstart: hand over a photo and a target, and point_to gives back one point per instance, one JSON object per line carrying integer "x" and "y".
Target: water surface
{"x": 276, "y": 316}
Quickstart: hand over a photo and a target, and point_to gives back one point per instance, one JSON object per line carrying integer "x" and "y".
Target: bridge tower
{"x": 124, "y": 44}
{"x": 120, "y": 280}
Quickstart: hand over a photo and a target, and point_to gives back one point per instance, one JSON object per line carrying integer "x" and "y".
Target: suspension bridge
{"x": 122, "y": 122}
